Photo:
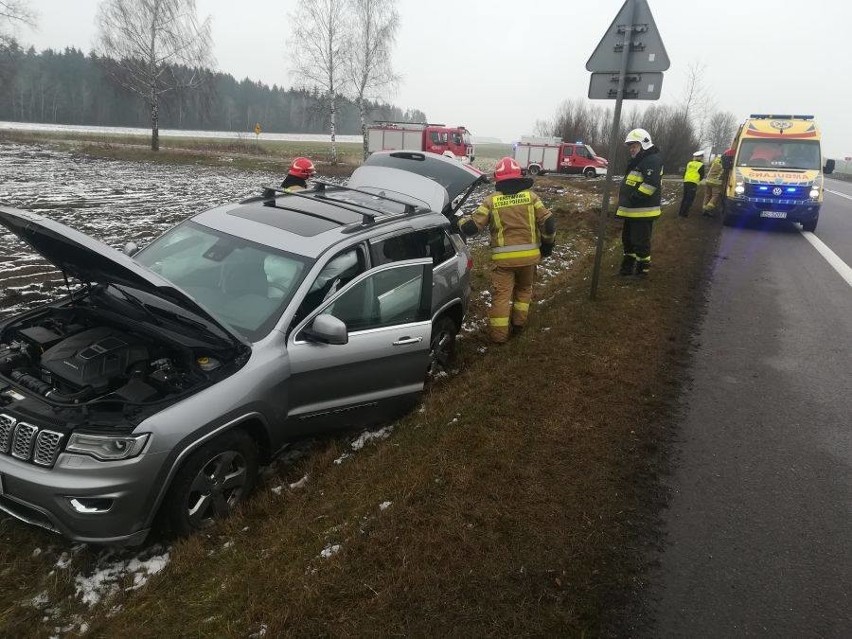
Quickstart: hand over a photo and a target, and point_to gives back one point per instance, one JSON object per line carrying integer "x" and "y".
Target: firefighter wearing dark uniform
{"x": 297, "y": 177}
{"x": 522, "y": 231}
{"x": 639, "y": 201}
{"x": 692, "y": 176}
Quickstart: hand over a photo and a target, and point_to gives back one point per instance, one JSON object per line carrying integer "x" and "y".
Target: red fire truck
{"x": 420, "y": 136}
{"x": 539, "y": 155}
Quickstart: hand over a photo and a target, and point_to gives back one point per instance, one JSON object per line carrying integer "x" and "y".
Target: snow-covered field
{"x": 166, "y": 133}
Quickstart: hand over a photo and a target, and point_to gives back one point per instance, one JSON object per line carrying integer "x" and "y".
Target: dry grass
{"x": 521, "y": 493}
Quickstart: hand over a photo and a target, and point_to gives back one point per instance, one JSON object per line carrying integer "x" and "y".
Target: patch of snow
{"x": 368, "y": 436}
{"x": 110, "y": 571}
{"x": 330, "y": 550}
{"x": 299, "y": 484}
{"x": 385, "y": 505}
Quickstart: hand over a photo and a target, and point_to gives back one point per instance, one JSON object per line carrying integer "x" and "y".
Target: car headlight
{"x": 814, "y": 192}
{"x": 739, "y": 189}
{"x": 107, "y": 447}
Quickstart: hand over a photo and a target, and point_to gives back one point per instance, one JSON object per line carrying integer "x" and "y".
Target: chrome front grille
{"x": 7, "y": 425}
{"x": 23, "y": 440}
{"x": 29, "y": 443}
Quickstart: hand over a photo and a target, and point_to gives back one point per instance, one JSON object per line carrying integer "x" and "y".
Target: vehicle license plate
{"x": 776, "y": 214}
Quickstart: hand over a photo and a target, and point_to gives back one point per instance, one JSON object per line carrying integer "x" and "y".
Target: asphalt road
{"x": 758, "y": 536}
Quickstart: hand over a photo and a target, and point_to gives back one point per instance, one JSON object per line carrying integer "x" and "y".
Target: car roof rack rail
{"x": 368, "y": 213}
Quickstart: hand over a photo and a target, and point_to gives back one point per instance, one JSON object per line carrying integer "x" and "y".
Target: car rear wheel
{"x": 212, "y": 482}
{"x": 590, "y": 172}
{"x": 442, "y": 346}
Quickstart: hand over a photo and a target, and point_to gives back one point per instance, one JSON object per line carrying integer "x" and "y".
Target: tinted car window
{"x": 336, "y": 274}
{"x": 432, "y": 243}
{"x": 385, "y": 299}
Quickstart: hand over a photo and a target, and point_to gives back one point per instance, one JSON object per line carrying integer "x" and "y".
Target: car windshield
{"x": 244, "y": 285}
{"x": 780, "y": 154}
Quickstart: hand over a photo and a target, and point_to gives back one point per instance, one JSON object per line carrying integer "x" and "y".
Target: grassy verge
{"x": 516, "y": 501}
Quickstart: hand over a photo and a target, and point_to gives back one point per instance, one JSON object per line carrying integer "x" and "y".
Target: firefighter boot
{"x": 642, "y": 268}
{"x": 627, "y": 265}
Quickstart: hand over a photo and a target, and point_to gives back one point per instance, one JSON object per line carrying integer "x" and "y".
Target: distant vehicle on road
{"x": 420, "y": 136}
{"x": 778, "y": 170}
{"x": 538, "y": 155}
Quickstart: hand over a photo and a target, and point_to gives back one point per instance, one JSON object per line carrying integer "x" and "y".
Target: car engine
{"x": 71, "y": 358}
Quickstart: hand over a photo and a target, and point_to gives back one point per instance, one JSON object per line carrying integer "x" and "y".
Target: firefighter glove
{"x": 546, "y": 249}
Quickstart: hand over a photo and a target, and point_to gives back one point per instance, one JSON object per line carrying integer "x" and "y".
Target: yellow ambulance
{"x": 777, "y": 170}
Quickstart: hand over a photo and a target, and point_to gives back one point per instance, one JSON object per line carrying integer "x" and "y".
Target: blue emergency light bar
{"x": 766, "y": 116}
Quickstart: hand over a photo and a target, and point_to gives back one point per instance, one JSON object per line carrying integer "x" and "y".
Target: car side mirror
{"x": 829, "y": 167}
{"x": 131, "y": 248}
{"x": 327, "y": 329}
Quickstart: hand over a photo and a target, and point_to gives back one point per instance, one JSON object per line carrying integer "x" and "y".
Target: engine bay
{"x": 77, "y": 356}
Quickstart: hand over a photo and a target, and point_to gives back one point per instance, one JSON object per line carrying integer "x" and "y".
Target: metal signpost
{"x": 627, "y": 64}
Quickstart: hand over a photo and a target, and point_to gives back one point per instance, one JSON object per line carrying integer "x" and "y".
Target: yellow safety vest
{"x": 692, "y": 172}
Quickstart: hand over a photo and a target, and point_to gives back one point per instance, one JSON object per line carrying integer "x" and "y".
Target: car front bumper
{"x": 81, "y": 498}
{"x": 794, "y": 212}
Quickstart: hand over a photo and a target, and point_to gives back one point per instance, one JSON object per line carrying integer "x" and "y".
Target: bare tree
{"x": 319, "y": 43}
{"x": 368, "y": 67}
{"x": 696, "y": 101}
{"x": 14, "y": 12}
{"x": 145, "y": 39}
{"x": 721, "y": 128}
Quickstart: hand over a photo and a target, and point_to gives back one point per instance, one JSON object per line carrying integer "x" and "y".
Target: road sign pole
{"x": 613, "y": 147}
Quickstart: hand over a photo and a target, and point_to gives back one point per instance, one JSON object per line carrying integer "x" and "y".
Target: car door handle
{"x": 403, "y": 341}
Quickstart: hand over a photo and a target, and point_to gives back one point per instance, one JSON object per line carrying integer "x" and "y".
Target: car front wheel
{"x": 212, "y": 483}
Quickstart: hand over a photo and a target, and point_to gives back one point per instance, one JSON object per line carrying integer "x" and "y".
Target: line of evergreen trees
{"x": 69, "y": 87}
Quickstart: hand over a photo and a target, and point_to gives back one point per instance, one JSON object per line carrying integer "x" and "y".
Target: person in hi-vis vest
{"x": 522, "y": 232}
{"x": 692, "y": 176}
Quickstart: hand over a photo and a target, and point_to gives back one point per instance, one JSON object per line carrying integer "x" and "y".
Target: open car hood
{"x": 457, "y": 178}
{"x": 90, "y": 261}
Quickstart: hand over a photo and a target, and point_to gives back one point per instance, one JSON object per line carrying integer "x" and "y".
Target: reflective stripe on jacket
{"x": 693, "y": 171}
{"x": 516, "y": 223}
{"x": 639, "y": 195}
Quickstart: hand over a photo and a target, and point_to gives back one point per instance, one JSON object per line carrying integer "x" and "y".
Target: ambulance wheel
{"x": 590, "y": 172}
{"x": 534, "y": 169}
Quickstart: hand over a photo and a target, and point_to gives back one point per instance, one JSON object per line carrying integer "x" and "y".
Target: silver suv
{"x": 163, "y": 380}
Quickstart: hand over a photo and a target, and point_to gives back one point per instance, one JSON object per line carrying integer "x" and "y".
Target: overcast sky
{"x": 497, "y": 66}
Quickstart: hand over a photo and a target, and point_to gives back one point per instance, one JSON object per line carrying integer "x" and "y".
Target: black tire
{"x": 810, "y": 225}
{"x": 442, "y": 346}
{"x": 589, "y": 172}
{"x": 212, "y": 482}
{"x": 729, "y": 220}
{"x": 534, "y": 169}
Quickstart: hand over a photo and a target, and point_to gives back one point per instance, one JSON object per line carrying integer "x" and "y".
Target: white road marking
{"x": 848, "y": 197}
{"x": 830, "y": 256}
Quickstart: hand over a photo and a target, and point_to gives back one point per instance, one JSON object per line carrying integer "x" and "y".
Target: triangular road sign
{"x": 647, "y": 53}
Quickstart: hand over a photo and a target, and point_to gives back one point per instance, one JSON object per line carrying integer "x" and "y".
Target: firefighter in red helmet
{"x": 297, "y": 177}
{"x": 522, "y": 232}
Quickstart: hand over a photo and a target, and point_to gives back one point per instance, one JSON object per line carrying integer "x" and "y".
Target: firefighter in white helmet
{"x": 639, "y": 201}
{"x": 522, "y": 232}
